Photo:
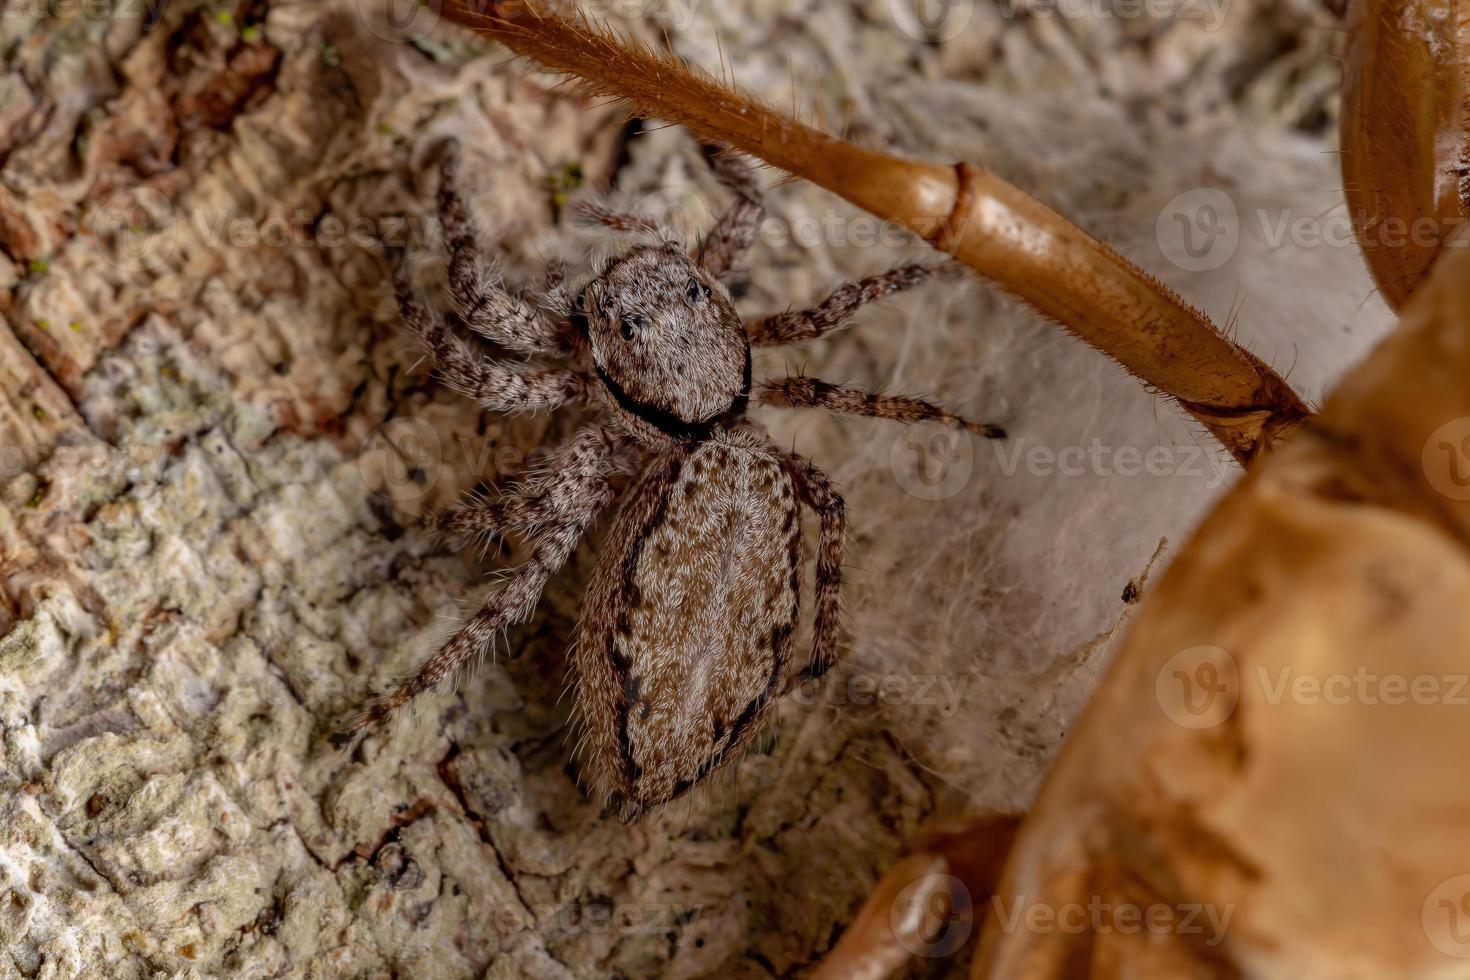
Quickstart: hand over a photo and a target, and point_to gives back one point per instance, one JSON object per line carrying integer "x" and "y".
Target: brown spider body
{"x": 684, "y": 645}
{"x": 686, "y": 630}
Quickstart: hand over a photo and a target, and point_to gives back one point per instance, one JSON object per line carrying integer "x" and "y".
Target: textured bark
{"x": 215, "y": 443}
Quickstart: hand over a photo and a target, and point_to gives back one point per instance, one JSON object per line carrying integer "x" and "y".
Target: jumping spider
{"x": 685, "y": 638}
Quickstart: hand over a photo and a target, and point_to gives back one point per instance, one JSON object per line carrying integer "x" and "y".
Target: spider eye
{"x": 698, "y": 291}
{"x": 632, "y": 323}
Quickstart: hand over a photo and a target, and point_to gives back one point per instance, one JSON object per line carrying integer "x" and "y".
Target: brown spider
{"x": 684, "y": 643}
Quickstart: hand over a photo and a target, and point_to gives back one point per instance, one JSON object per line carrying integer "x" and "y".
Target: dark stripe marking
{"x": 620, "y": 662}
{"x": 669, "y": 423}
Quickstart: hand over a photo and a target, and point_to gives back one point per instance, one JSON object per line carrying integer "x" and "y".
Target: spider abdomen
{"x": 687, "y": 630}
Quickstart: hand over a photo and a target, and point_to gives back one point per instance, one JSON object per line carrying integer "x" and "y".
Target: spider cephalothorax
{"x": 685, "y": 642}
{"x": 665, "y": 338}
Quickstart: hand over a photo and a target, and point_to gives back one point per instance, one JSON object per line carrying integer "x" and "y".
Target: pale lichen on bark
{"x": 207, "y": 539}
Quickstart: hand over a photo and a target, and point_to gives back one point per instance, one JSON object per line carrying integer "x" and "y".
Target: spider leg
{"x": 481, "y": 521}
{"x": 541, "y": 498}
{"x": 818, "y": 493}
{"x": 513, "y": 603}
{"x": 496, "y": 387}
{"x": 557, "y": 292}
{"x": 555, "y": 509}
{"x": 735, "y": 231}
{"x": 801, "y": 392}
{"x": 559, "y": 295}
{"x": 485, "y": 308}
{"x": 836, "y": 310}
{"x": 628, "y": 221}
